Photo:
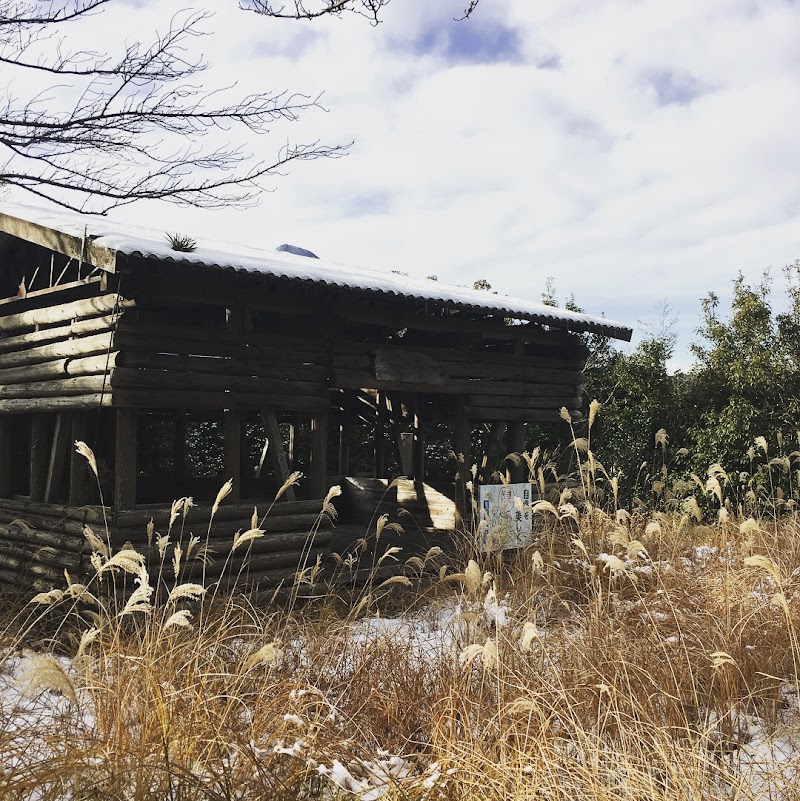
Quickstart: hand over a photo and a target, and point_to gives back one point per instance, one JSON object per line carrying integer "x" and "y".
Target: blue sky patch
{"x": 471, "y": 42}
{"x": 367, "y": 204}
{"x": 675, "y": 88}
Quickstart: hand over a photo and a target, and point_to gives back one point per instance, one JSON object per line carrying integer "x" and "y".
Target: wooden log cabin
{"x": 176, "y": 366}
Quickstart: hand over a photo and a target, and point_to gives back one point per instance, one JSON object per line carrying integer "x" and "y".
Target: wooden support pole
{"x": 275, "y": 451}
{"x": 319, "y": 454}
{"x": 58, "y": 457}
{"x": 463, "y": 451}
{"x": 125, "y": 460}
{"x": 492, "y": 454}
{"x": 345, "y": 430}
{"x": 80, "y": 474}
{"x": 379, "y": 461}
{"x": 291, "y": 454}
{"x": 516, "y": 444}
{"x": 418, "y": 444}
{"x": 5, "y": 456}
{"x": 232, "y": 454}
{"x": 40, "y": 455}
{"x": 179, "y": 454}
{"x": 402, "y": 450}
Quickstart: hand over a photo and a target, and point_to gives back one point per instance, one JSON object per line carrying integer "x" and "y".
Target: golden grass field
{"x": 626, "y": 654}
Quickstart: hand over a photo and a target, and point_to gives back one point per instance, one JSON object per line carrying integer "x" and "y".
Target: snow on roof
{"x": 111, "y": 237}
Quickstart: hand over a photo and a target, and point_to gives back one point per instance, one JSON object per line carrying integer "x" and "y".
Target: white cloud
{"x": 636, "y": 151}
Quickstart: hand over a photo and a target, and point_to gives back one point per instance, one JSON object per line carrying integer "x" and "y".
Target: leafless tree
{"x": 92, "y": 131}
{"x": 300, "y": 9}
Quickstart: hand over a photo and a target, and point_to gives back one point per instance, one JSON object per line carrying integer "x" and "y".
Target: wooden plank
{"x": 379, "y": 460}
{"x": 6, "y": 424}
{"x": 80, "y": 474}
{"x": 58, "y": 456}
{"x": 235, "y": 515}
{"x": 142, "y": 378}
{"x": 19, "y": 507}
{"x": 55, "y": 404}
{"x": 319, "y": 454}
{"x": 356, "y": 379}
{"x": 222, "y": 341}
{"x": 198, "y": 399}
{"x": 125, "y": 459}
{"x": 54, "y": 295}
{"x": 418, "y": 444}
{"x": 179, "y": 452}
{"x": 227, "y": 365}
{"x": 78, "y": 328}
{"x": 232, "y": 454}
{"x": 291, "y": 452}
{"x": 40, "y": 454}
{"x": 88, "y": 307}
{"x": 76, "y": 247}
{"x": 59, "y": 368}
{"x": 63, "y": 387}
{"x": 492, "y": 451}
{"x": 345, "y": 430}
{"x": 83, "y": 346}
{"x": 276, "y": 453}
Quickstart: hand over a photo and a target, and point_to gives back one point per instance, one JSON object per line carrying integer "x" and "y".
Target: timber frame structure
{"x": 110, "y": 336}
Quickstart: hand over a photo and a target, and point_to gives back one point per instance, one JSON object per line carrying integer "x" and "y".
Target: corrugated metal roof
{"x": 100, "y": 239}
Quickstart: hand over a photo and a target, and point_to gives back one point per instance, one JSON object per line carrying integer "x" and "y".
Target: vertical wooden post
{"x": 179, "y": 455}
{"x": 345, "y": 430}
{"x": 40, "y": 454}
{"x": 291, "y": 455}
{"x": 80, "y": 474}
{"x": 5, "y": 456}
{"x": 125, "y": 460}
{"x": 379, "y": 463}
{"x": 493, "y": 448}
{"x": 275, "y": 452}
{"x": 418, "y": 444}
{"x": 58, "y": 457}
{"x": 232, "y": 453}
{"x": 319, "y": 454}
{"x": 516, "y": 444}
{"x": 462, "y": 448}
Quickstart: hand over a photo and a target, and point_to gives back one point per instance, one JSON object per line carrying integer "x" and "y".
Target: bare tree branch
{"x": 301, "y": 10}
{"x": 126, "y": 128}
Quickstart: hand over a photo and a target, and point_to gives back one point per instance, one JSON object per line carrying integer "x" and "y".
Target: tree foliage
{"x": 747, "y": 379}
{"x": 745, "y": 384}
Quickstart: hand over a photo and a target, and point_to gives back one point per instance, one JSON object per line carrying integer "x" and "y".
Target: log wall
{"x": 39, "y": 541}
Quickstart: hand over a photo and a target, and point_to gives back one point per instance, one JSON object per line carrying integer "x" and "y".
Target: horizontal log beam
{"x": 222, "y": 341}
{"x": 188, "y": 398}
{"x": 75, "y": 329}
{"x": 59, "y": 368}
{"x": 352, "y": 379}
{"x": 54, "y": 404}
{"x": 242, "y": 512}
{"x": 91, "y": 512}
{"x": 88, "y": 307}
{"x": 64, "y": 387}
{"x": 226, "y": 365}
{"x": 143, "y": 379}
{"x": 83, "y": 346}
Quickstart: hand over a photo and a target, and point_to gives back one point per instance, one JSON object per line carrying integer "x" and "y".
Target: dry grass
{"x": 624, "y": 655}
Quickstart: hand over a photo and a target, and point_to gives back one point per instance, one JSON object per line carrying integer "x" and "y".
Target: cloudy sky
{"x": 640, "y": 153}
